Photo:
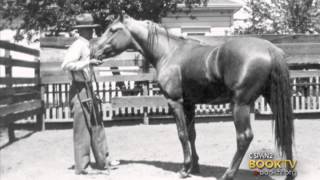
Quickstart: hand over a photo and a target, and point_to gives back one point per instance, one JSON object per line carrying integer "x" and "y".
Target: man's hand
{"x": 95, "y": 62}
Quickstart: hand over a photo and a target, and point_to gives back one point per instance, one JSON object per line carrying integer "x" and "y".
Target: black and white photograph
{"x": 159, "y": 89}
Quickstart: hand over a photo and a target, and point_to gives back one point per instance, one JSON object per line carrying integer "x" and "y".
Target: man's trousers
{"x": 88, "y": 129}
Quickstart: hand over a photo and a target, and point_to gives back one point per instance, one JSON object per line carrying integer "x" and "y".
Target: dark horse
{"x": 189, "y": 72}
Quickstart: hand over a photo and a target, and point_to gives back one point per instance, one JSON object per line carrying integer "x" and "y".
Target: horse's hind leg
{"x": 241, "y": 114}
{"x": 189, "y": 112}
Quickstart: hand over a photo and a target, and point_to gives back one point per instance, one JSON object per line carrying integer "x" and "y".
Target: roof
{"x": 224, "y": 3}
{"x": 216, "y": 4}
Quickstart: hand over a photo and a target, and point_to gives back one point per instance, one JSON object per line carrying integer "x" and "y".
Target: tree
{"x": 283, "y": 16}
{"x": 58, "y": 15}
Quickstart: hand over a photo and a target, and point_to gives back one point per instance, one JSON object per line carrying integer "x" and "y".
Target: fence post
{"x": 252, "y": 113}
{"x": 8, "y": 69}
{"x": 40, "y": 121}
{"x": 40, "y": 117}
{"x": 145, "y": 109}
{"x": 145, "y": 116}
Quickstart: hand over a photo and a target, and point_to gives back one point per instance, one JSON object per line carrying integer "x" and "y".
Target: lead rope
{"x": 92, "y": 109}
{"x": 88, "y": 123}
{"x": 97, "y": 94}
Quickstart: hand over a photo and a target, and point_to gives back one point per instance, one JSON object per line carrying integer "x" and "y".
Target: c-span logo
{"x": 265, "y": 164}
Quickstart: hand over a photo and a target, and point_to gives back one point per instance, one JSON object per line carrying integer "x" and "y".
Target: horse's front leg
{"x": 189, "y": 109}
{"x": 177, "y": 107}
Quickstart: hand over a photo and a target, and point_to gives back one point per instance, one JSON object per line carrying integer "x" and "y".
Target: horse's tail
{"x": 280, "y": 102}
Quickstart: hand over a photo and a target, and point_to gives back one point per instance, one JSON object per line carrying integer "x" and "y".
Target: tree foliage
{"x": 283, "y": 16}
{"x": 58, "y": 15}
{"x": 54, "y": 16}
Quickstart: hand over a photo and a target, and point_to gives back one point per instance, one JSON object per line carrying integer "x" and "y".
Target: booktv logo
{"x": 265, "y": 164}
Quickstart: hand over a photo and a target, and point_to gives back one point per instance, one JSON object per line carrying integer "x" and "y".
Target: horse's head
{"x": 116, "y": 39}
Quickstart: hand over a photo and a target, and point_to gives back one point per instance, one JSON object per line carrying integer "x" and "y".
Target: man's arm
{"x": 71, "y": 60}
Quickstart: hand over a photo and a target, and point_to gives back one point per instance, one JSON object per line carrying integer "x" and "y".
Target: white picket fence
{"x": 305, "y": 99}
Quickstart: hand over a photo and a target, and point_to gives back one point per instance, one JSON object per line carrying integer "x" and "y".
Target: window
{"x": 196, "y": 34}
{"x": 196, "y": 31}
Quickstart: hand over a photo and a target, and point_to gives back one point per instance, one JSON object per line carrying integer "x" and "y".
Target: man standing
{"x": 88, "y": 127}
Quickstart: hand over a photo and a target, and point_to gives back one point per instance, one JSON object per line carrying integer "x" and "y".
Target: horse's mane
{"x": 155, "y": 29}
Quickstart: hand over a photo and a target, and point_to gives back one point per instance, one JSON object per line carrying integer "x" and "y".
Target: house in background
{"x": 212, "y": 19}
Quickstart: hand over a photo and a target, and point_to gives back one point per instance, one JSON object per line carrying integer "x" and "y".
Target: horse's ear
{"x": 122, "y": 15}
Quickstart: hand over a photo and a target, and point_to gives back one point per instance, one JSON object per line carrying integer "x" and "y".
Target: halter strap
{"x": 138, "y": 47}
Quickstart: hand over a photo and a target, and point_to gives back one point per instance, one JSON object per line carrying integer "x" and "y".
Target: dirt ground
{"x": 154, "y": 152}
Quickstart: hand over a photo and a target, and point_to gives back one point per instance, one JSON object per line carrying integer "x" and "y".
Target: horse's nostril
{"x": 91, "y": 55}
{"x": 100, "y": 57}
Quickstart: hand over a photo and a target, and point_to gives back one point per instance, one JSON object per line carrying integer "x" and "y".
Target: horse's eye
{"x": 113, "y": 30}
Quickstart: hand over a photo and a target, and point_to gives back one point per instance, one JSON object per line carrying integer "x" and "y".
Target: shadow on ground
{"x": 8, "y": 143}
{"x": 206, "y": 171}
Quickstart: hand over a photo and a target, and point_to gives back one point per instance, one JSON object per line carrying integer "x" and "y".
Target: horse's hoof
{"x": 290, "y": 177}
{"x": 195, "y": 169}
{"x": 183, "y": 174}
{"x": 81, "y": 172}
{"x": 224, "y": 177}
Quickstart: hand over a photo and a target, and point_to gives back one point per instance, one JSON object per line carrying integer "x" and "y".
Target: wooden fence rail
{"x": 19, "y": 97}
